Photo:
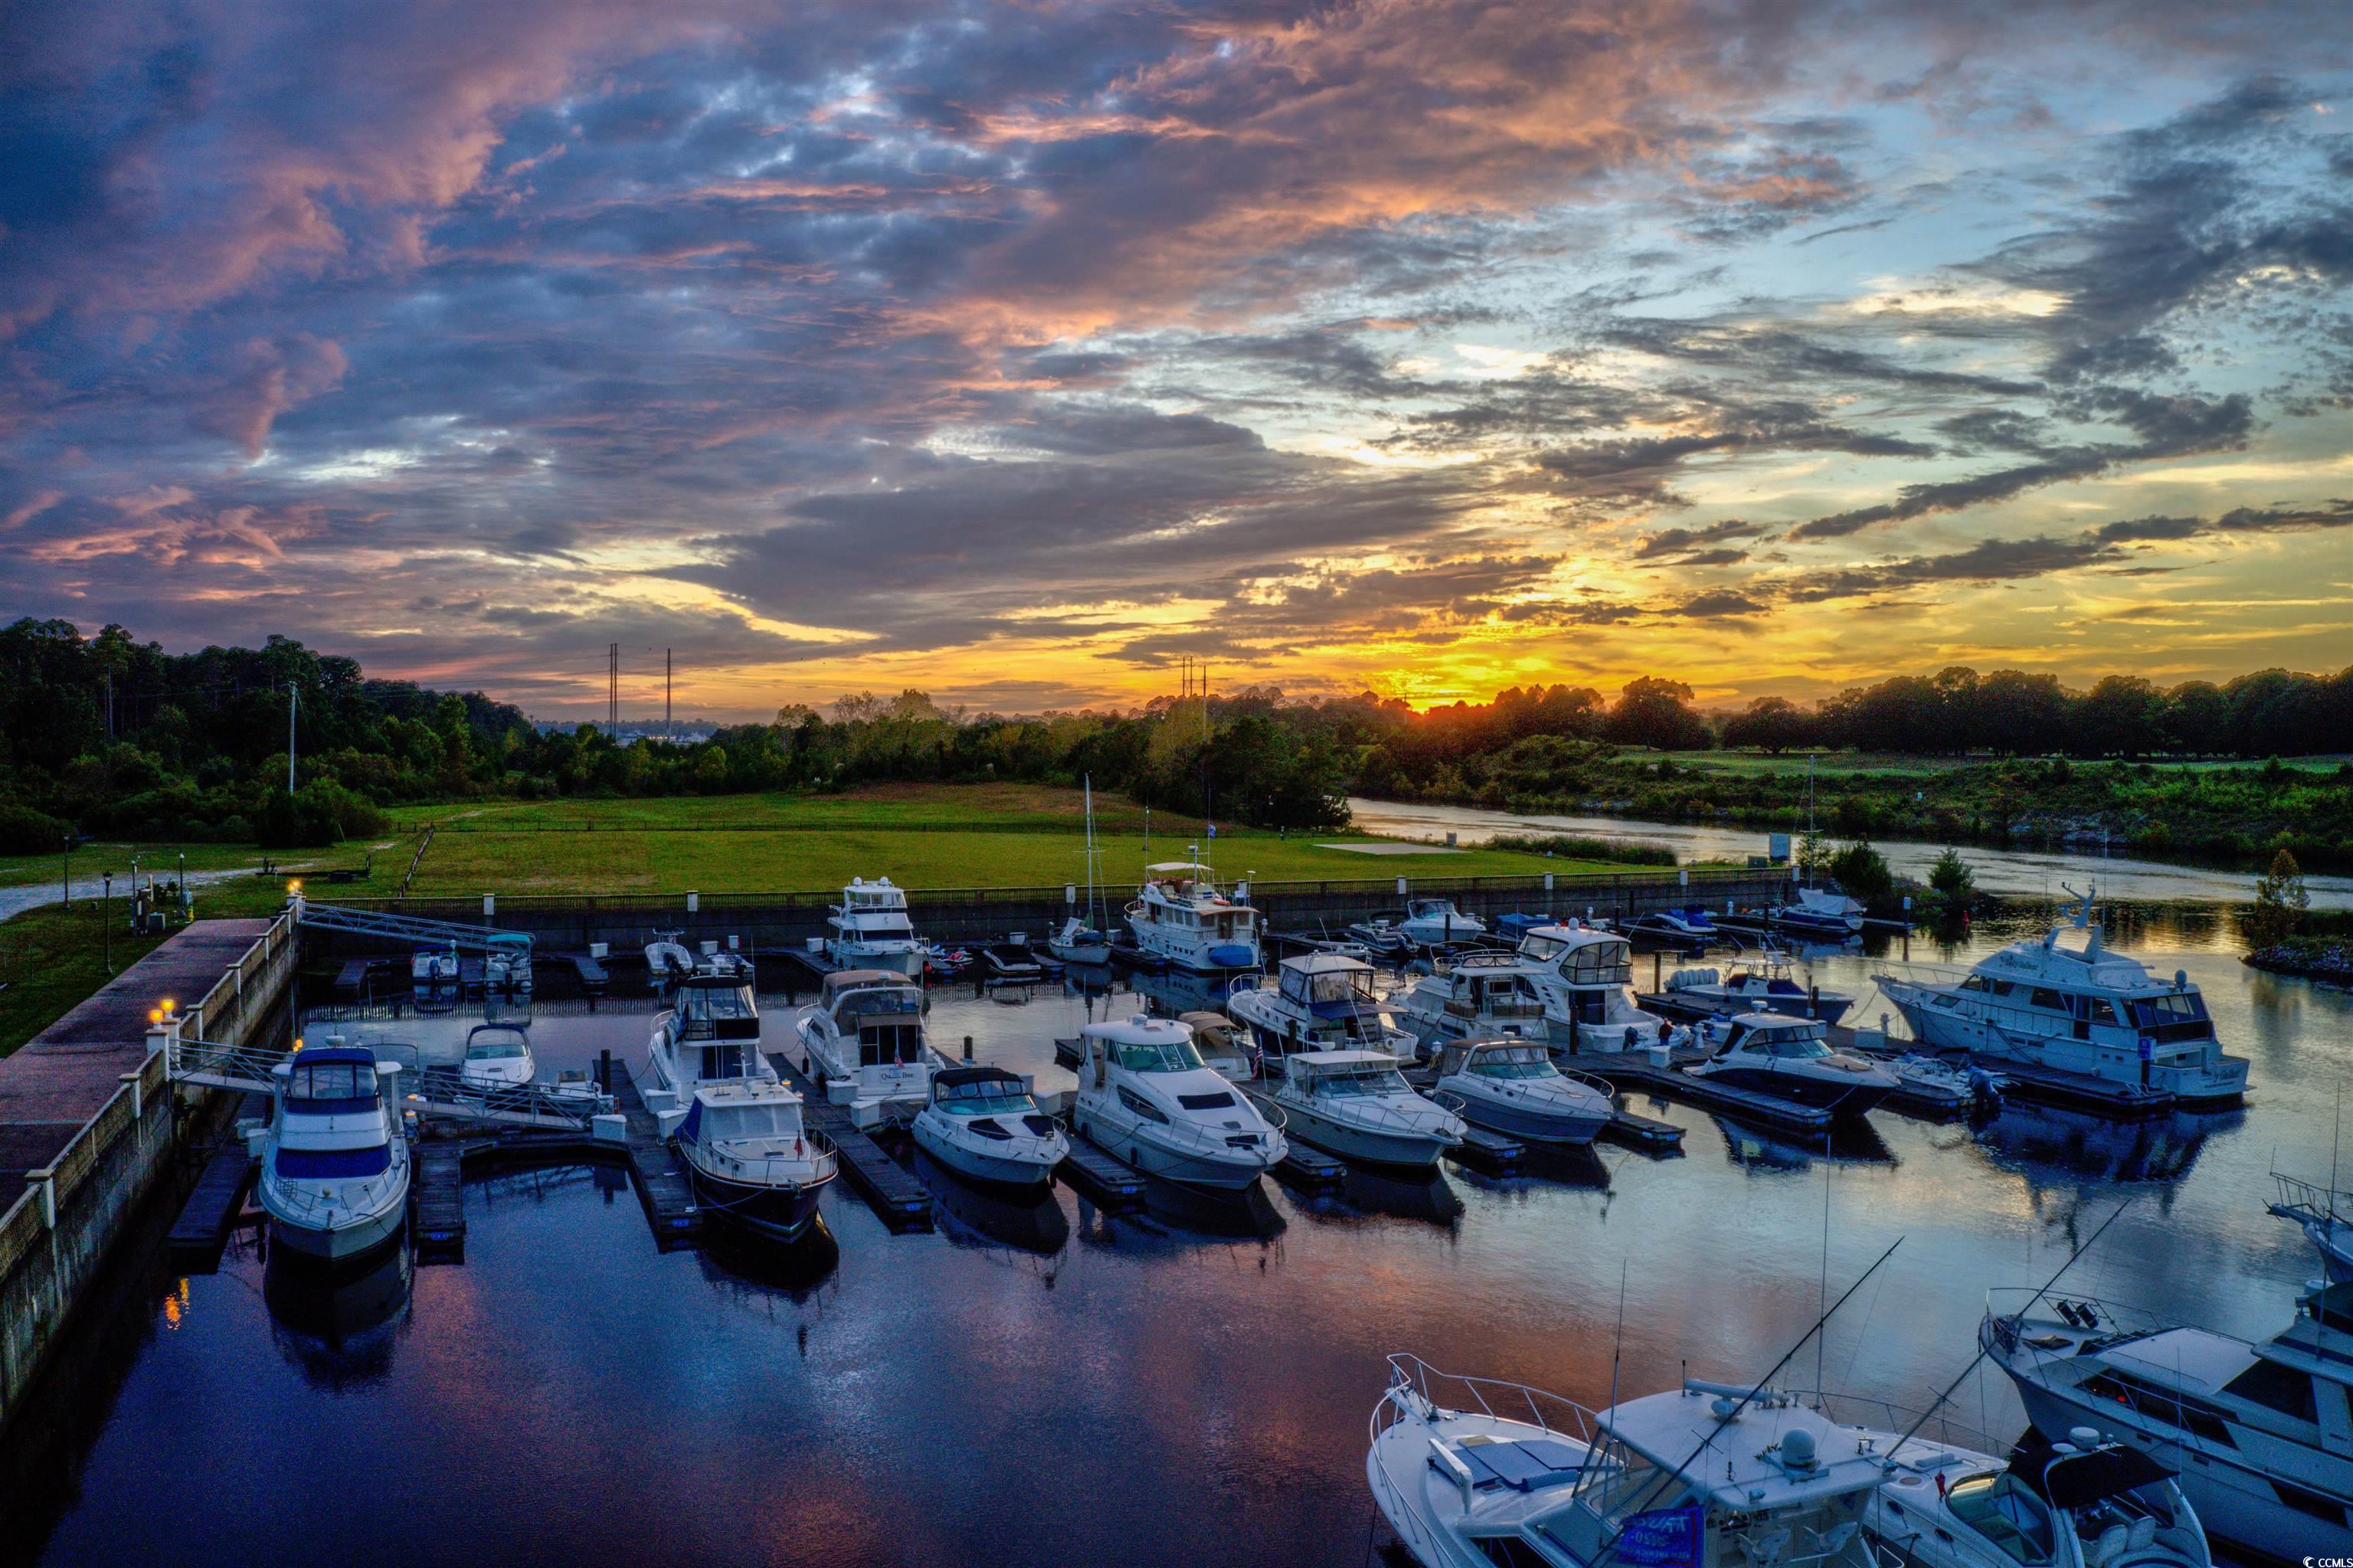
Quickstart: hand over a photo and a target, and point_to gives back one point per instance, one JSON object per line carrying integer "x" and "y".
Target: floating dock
{"x": 1110, "y": 1181}
{"x": 663, "y": 1190}
{"x": 436, "y": 1201}
{"x": 1622, "y": 1068}
{"x": 898, "y": 1197}
{"x": 214, "y": 1207}
{"x": 1646, "y": 1134}
{"x": 1489, "y": 1151}
{"x": 1304, "y": 1166}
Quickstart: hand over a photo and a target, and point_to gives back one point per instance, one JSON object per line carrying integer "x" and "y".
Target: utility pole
{"x": 106, "y": 921}
{"x": 291, "y": 699}
{"x": 612, "y": 689}
{"x": 65, "y": 875}
{"x": 666, "y": 722}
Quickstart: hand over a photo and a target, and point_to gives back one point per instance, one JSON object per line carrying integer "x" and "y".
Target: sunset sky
{"x": 1015, "y": 351}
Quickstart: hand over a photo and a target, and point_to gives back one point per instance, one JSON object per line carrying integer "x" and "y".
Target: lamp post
{"x": 106, "y": 919}
{"x": 65, "y": 877}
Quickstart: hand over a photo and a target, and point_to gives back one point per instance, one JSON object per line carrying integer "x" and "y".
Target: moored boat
{"x": 1145, "y": 1095}
{"x": 335, "y": 1162}
{"x": 984, "y": 1123}
{"x": 1356, "y": 1104}
{"x": 752, "y": 1160}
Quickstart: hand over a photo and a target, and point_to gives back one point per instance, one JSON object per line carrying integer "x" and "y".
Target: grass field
{"x": 920, "y": 836}
{"x": 51, "y": 959}
{"x": 163, "y": 860}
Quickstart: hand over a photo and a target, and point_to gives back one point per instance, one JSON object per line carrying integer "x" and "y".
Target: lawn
{"x": 52, "y": 960}
{"x": 923, "y": 837}
{"x": 163, "y": 860}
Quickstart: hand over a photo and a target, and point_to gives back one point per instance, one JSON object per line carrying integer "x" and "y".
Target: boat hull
{"x": 1134, "y": 1146}
{"x": 1845, "y": 1098}
{"x": 1012, "y": 1173}
{"x": 779, "y": 1212}
{"x": 2233, "y": 1502}
{"x": 1554, "y": 1129}
{"x": 337, "y": 1243}
{"x": 1373, "y": 1146}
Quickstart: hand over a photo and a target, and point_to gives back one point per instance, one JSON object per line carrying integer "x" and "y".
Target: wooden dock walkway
{"x": 667, "y": 1196}
{"x": 214, "y": 1206}
{"x": 594, "y": 980}
{"x": 1112, "y": 1182}
{"x": 896, "y": 1195}
{"x": 1489, "y": 1151}
{"x": 436, "y": 1201}
{"x": 1622, "y": 1068}
{"x": 1304, "y": 1166}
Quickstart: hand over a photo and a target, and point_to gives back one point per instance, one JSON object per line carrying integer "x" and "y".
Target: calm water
{"x": 1060, "y": 1387}
{"x": 2008, "y": 872}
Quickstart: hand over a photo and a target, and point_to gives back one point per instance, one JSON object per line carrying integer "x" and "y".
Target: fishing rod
{"x": 1983, "y": 1348}
{"x": 1727, "y": 1417}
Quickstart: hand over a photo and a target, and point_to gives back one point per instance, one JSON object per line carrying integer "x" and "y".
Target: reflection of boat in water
{"x": 995, "y": 1217}
{"x": 749, "y": 1268}
{"x": 1247, "y": 1214}
{"x": 1757, "y": 1149}
{"x": 338, "y": 1329}
{"x": 1398, "y": 1196}
{"x": 2087, "y": 1143}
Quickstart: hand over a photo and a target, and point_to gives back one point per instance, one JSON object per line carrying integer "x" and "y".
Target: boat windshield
{"x": 1542, "y": 949}
{"x": 1362, "y": 1081}
{"x": 990, "y": 1096}
{"x": 499, "y": 1048}
{"x": 2181, "y": 1007}
{"x": 2004, "y": 1511}
{"x": 777, "y": 1119}
{"x": 1513, "y": 1062}
{"x": 1156, "y": 1055}
{"x": 1794, "y": 1046}
{"x": 331, "y": 1082}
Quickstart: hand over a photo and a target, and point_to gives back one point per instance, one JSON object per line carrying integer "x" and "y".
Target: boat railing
{"x": 1886, "y": 1417}
{"x": 1594, "y": 1081}
{"x": 821, "y": 1163}
{"x": 358, "y": 1199}
{"x": 2309, "y": 1201}
{"x": 1434, "y": 1393}
{"x": 2007, "y": 1307}
{"x": 1380, "y": 1113}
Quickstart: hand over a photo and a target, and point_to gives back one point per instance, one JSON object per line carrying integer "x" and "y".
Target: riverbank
{"x": 2328, "y": 960}
{"x": 2236, "y": 814}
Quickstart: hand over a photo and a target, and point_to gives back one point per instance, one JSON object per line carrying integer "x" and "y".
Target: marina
{"x": 1316, "y": 1222}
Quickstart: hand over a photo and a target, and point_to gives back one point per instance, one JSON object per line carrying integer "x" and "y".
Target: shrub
{"x": 1568, "y": 847}
{"x": 23, "y": 830}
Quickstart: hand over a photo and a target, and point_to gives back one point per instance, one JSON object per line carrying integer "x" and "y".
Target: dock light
{"x": 298, "y": 1042}
{"x": 168, "y": 1004}
{"x": 295, "y": 886}
{"x": 155, "y": 1015}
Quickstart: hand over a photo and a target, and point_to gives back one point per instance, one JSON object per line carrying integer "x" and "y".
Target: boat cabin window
{"x": 1329, "y": 992}
{"x": 2276, "y": 1387}
{"x": 321, "y": 1086}
{"x": 1363, "y": 1080}
{"x": 985, "y": 1096}
{"x": 495, "y": 1048}
{"x": 1795, "y": 1046}
{"x": 1157, "y": 1056}
{"x": 880, "y": 1045}
{"x": 1542, "y": 949}
{"x": 2000, "y": 1507}
{"x": 765, "y": 1120}
{"x": 334, "y": 1164}
{"x": 1513, "y": 1062}
{"x": 719, "y": 1011}
{"x": 2193, "y": 1416}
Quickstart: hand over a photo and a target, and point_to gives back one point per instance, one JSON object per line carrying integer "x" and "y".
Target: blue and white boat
{"x": 1689, "y": 925}
{"x": 1180, "y": 916}
{"x": 750, "y": 1157}
{"x": 335, "y": 1163}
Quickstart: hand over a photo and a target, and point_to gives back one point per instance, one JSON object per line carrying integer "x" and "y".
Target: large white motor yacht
{"x": 2077, "y": 1011}
{"x": 1585, "y": 977}
{"x": 710, "y": 1034}
{"x": 1762, "y": 984}
{"x": 1315, "y": 1001}
{"x": 870, "y": 928}
{"x": 1789, "y": 1059}
{"x": 984, "y": 1123}
{"x": 1435, "y": 922}
{"x": 1481, "y": 997}
{"x": 1357, "y": 1105}
{"x": 1145, "y": 1095}
{"x": 750, "y": 1156}
{"x": 864, "y": 1041}
{"x": 335, "y": 1165}
{"x": 2262, "y": 1435}
{"x": 1511, "y": 1086}
{"x": 1688, "y": 1478}
{"x": 1180, "y": 916}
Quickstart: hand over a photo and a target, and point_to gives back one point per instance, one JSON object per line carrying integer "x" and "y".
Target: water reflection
{"x": 1035, "y": 1224}
{"x": 2154, "y": 1148}
{"x": 1761, "y": 1150}
{"x": 753, "y": 1271}
{"x": 337, "y": 1326}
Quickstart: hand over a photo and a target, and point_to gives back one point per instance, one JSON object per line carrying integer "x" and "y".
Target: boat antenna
{"x": 1937, "y": 1403}
{"x": 1618, "y": 1349}
{"x": 1822, "y": 1342}
{"x": 1727, "y": 1417}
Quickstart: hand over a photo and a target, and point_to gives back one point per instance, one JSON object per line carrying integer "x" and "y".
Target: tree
{"x": 2280, "y": 904}
{"x": 1863, "y": 872}
{"x": 1953, "y": 884}
{"x": 1772, "y": 724}
{"x": 1655, "y": 712}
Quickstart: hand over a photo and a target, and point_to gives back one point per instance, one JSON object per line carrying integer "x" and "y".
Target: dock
{"x": 1112, "y": 1182}
{"x": 1621, "y": 1068}
{"x": 594, "y": 980}
{"x": 898, "y": 1197}
{"x": 436, "y": 1201}
{"x": 663, "y": 1190}
{"x": 1489, "y": 1151}
{"x": 201, "y": 1233}
{"x": 1645, "y": 1134}
{"x": 1303, "y": 1166}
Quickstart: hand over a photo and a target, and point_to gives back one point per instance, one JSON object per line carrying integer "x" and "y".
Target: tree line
{"x": 106, "y": 735}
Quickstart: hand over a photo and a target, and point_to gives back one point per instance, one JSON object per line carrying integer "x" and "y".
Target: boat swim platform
{"x": 896, "y": 1195}
{"x": 64, "y": 1076}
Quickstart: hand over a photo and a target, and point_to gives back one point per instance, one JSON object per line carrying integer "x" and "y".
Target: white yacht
{"x": 710, "y": 1034}
{"x": 2076, "y": 1014}
{"x": 2262, "y": 1435}
{"x": 984, "y": 1123}
{"x": 1180, "y": 916}
{"x": 1585, "y": 977}
{"x": 2078, "y": 1503}
{"x": 750, "y": 1157}
{"x": 1317, "y": 1002}
{"x": 1483, "y": 996}
{"x": 1763, "y": 984}
{"x": 498, "y": 1057}
{"x": 863, "y": 1041}
{"x": 335, "y": 1164}
{"x": 1145, "y": 1095}
{"x": 1357, "y": 1105}
{"x": 667, "y": 958}
{"x": 1690, "y": 1477}
{"x": 1435, "y": 922}
{"x": 1512, "y": 1088}
{"x": 1821, "y": 913}
{"x": 1789, "y": 1059}
{"x": 870, "y": 929}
